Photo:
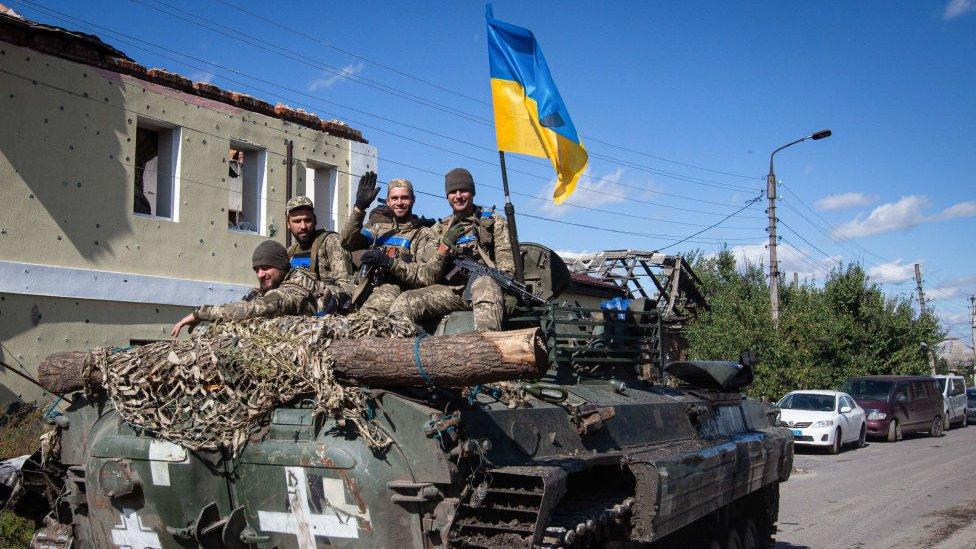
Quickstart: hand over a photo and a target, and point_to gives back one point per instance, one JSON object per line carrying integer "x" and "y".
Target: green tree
{"x": 827, "y": 333}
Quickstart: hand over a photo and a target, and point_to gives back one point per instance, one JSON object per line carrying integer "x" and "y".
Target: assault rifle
{"x": 506, "y": 281}
{"x": 365, "y": 280}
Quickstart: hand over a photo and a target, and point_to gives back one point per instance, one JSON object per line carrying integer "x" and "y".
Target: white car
{"x": 823, "y": 418}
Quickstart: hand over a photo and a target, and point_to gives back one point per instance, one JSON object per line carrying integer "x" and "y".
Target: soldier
{"x": 318, "y": 250}
{"x": 282, "y": 290}
{"x": 473, "y": 232}
{"x": 394, "y": 240}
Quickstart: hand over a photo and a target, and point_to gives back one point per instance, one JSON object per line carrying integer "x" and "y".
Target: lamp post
{"x": 771, "y": 211}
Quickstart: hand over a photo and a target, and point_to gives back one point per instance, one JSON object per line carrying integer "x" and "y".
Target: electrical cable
{"x": 583, "y": 188}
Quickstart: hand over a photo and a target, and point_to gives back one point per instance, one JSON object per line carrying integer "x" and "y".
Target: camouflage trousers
{"x": 380, "y": 298}
{"x": 487, "y": 302}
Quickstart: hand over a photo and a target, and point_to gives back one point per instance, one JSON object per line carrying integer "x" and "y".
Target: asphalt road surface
{"x": 917, "y": 493}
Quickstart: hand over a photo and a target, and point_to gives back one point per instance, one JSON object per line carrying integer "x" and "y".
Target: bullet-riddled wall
{"x": 79, "y": 266}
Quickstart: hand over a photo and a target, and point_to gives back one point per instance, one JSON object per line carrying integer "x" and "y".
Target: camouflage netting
{"x": 219, "y": 387}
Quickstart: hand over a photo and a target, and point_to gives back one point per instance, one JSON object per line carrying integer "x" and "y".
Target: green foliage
{"x": 827, "y": 333}
{"x": 14, "y": 531}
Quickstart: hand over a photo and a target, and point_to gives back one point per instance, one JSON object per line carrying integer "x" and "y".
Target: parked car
{"x": 970, "y": 405}
{"x": 953, "y": 389}
{"x": 823, "y": 418}
{"x": 896, "y": 405}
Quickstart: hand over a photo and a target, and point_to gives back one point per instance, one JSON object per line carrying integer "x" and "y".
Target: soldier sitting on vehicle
{"x": 469, "y": 232}
{"x": 318, "y": 250}
{"x": 282, "y": 290}
{"x": 394, "y": 239}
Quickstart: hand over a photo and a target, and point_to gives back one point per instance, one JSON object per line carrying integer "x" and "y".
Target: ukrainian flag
{"x": 530, "y": 116}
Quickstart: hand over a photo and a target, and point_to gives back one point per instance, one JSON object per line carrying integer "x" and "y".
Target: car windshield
{"x": 807, "y": 401}
{"x": 868, "y": 389}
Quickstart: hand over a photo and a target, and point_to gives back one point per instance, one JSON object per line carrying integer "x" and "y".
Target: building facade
{"x": 129, "y": 196}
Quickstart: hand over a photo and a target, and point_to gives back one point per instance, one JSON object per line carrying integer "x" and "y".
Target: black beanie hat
{"x": 458, "y": 178}
{"x": 270, "y": 253}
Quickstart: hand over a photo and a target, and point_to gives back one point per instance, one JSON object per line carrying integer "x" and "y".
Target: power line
{"x": 726, "y": 218}
{"x": 363, "y": 124}
{"x": 801, "y": 237}
{"x": 317, "y": 40}
{"x": 197, "y": 20}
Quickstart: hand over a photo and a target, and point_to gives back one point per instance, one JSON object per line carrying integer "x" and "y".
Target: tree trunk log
{"x": 458, "y": 360}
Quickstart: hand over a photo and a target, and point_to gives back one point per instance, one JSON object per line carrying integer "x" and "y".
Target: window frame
{"x": 175, "y": 165}
{"x": 261, "y": 152}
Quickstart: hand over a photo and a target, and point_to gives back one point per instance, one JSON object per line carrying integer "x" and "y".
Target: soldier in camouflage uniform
{"x": 282, "y": 290}
{"x": 394, "y": 239}
{"x": 319, "y": 251}
{"x": 473, "y": 232}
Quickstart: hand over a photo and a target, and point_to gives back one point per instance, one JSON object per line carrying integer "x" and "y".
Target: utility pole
{"x": 922, "y": 311}
{"x": 773, "y": 263}
{"x": 972, "y": 326}
{"x": 771, "y": 211}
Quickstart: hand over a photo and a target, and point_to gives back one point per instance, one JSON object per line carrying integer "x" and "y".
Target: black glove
{"x": 367, "y": 191}
{"x": 376, "y": 258}
{"x": 453, "y": 233}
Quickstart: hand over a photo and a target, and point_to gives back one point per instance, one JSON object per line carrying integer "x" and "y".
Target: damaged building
{"x": 131, "y": 195}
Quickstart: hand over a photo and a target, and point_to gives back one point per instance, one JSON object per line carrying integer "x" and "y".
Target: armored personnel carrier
{"x": 591, "y": 455}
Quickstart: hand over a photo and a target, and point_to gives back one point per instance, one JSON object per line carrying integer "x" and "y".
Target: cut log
{"x": 459, "y": 360}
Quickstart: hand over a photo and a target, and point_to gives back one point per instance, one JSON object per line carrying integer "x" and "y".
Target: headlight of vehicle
{"x": 874, "y": 415}
{"x": 824, "y": 423}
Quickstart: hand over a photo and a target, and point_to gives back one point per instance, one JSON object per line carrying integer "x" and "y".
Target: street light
{"x": 771, "y": 211}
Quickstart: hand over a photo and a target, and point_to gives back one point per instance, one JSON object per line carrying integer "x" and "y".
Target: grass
{"x": 20, "y": 430}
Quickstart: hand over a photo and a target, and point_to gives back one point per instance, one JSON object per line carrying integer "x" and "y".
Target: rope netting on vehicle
{"x": 218, "y": 388}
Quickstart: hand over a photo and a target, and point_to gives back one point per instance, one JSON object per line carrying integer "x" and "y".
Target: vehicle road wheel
{"x": 862, "y": 437}
{"x": 936, "y": 429}
{"x": 946, "y": 424}
{"x": 894, "y": 431}
{"x": 733, "y": 541}
{"x": 749, "y": 535}
{"x": 835, "y": 447}
{"x": 965, "y": 420}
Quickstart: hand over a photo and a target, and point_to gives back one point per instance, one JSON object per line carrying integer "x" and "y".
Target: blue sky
{"x": 679, "y": 104}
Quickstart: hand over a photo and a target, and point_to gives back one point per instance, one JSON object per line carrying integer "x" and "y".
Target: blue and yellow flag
{"x": 530, "y": 116}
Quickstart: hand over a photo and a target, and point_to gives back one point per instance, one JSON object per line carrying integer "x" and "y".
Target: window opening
{"x": 156, "y": 173}
{"x": 322, "y": 181}
{"x": 247, "y": 200}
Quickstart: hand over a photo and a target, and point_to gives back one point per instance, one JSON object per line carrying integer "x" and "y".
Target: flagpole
{"x": 510, "y": 216}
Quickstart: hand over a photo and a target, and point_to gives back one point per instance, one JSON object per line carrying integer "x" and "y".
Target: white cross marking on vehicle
{"x": 301, "y": 522}
{"x": 161, "y": 454}
{"x": 131, "y": 534}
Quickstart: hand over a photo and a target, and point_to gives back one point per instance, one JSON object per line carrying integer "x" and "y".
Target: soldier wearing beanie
{"x": 318, "y": 250}
{"x": 394, "y": 239}
{"x": 472, "y": 232}
{"x": 282, "y": 290}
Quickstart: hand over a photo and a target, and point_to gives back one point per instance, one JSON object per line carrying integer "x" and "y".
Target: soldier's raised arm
{"x": 352, "y": 231}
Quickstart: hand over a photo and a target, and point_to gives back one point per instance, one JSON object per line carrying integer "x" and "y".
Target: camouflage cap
{"x": 296, "y": 202}
{"x": 399, "y": 182}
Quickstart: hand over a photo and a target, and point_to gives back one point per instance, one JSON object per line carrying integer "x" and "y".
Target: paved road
{"x": 917, "y": 493}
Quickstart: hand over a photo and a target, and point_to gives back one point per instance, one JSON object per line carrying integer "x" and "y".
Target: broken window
{"x": 247, "y": 199}
{"x": 322, "y": 180}
{"x": 156, "y": 173}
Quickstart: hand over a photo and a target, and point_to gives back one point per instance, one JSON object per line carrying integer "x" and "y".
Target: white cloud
{"x": 904, "y": 214}
{"x": 843, "y": 200}
{"x": 892, "y": 272}
{"x": 943, "y": 293}
{"x": 958, "y": 287}
{"x": 328, "y": 81}
{"x": 605, "y": 190}
{"x": 202, "y": 76}
{"x": 955, "y": 8}
{"x": 808, "y": 265}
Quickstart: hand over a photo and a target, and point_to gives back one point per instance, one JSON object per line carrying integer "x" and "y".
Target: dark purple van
{"x": 898, "y": 404}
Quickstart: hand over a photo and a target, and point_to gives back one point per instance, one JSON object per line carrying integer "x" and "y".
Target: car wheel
{"x": 733, "y": 541}
{"x": 946, "y": 424}
{"x": 862, "y": 438}
{"x": 894, "y": 431}
{"x": 965, "y": 420}
{"x": 835, "y": 447}
{"x": 936, "y": 429}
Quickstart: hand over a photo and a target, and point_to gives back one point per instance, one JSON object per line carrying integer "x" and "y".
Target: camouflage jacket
{"x": 297, "y": 295}
{"x": 485, "y": 234}
{"x": 410, "y": 243}
{"x": 330, "y": 264}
